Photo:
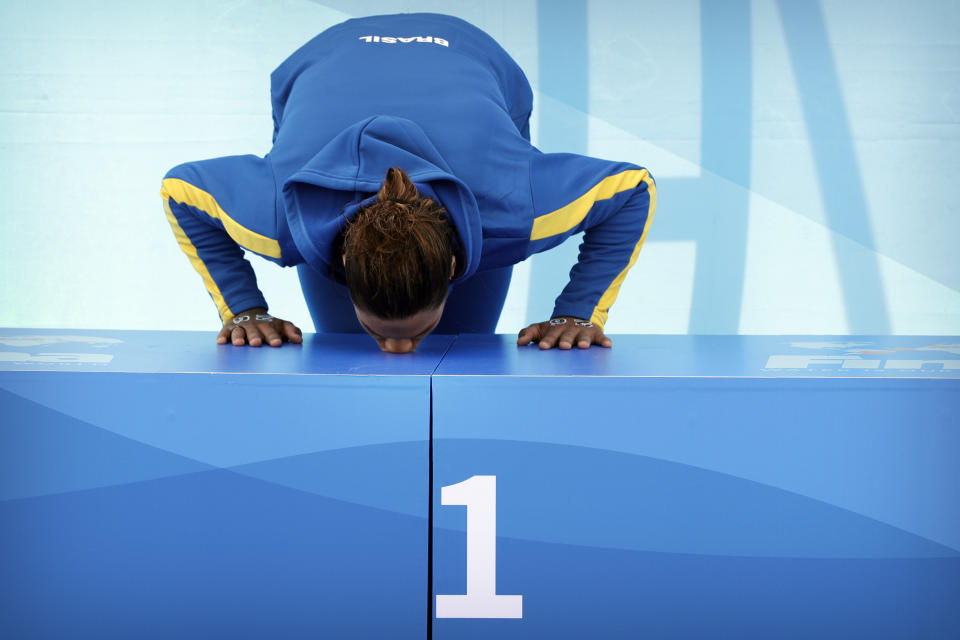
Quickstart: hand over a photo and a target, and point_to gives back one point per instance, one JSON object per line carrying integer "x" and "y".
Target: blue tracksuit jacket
{"x": 442, "y": 100}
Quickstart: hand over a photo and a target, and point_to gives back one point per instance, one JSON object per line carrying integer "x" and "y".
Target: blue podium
{"x": 698, "y": 487}
{"x": 156, "y": 485}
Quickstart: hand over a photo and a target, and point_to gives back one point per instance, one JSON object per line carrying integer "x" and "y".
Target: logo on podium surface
{"x": 47, "y": 357}
{"x": 866, "y": 357}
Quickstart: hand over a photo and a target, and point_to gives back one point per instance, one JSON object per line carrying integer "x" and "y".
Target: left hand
{"x": 573, "y": 331}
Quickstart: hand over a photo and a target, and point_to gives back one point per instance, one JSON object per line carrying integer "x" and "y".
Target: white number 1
{"x": 479, "y": 495}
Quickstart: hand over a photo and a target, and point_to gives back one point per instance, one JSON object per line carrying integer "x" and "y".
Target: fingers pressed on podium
{"x": 269, "y": 334}
{"x": 292, "y": 332}
{"x": 564, "y": 333}
{"x": 528, "y": 335}
{"x": 254, "y": 337}
{"x": 255, "y": 327}
{"x": 567, "y": 337}
{"x": 238, "y": 336}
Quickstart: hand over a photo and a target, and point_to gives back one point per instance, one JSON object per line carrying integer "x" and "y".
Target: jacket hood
{"x": 330, "y": 188}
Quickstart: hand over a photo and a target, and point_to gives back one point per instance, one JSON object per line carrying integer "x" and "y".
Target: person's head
{"x": 398, "y": 261}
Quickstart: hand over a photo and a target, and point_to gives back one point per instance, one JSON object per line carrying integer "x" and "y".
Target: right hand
{"x": 249, "y": 330}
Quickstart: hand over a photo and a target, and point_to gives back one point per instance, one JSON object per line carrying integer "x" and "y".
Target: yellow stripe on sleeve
{"x": 188, "y": 194}
{"x": 599, "y": 316}
{"x": 187, "y": 247}
{"x": 568, "y": 217}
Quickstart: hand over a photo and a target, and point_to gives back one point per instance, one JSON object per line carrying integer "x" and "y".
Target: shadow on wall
{"x": 838, "y": 171}
{"x": 711, "y": 212}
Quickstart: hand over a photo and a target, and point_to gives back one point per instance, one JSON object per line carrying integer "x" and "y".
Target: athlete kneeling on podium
{"x": 403, "y": 186}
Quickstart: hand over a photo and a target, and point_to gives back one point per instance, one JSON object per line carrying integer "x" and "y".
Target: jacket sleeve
{"x": 217, "y": 208}
{"x": 613, "y": 203}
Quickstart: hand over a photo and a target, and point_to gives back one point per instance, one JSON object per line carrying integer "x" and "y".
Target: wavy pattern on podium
{"x": 105, "y": 536}
{"x": 572, "y": 591}
{"x": 615, "y": 545}
{"x": 607, "y": 499}
{"x": 47, "y": 452}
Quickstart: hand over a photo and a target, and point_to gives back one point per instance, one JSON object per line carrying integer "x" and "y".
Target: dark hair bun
{"x": 397, "y": 187}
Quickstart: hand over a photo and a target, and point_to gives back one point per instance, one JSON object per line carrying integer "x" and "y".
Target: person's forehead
{"x": 403, "y": 328}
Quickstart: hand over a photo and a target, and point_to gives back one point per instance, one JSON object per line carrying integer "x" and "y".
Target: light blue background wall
{"x": 805, "y": 152}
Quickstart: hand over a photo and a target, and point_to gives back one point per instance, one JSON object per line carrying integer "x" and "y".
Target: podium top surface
{"x": 670, "y": 356}
{"x": 487, "y": 355}
{"x": 198, "y": 352}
